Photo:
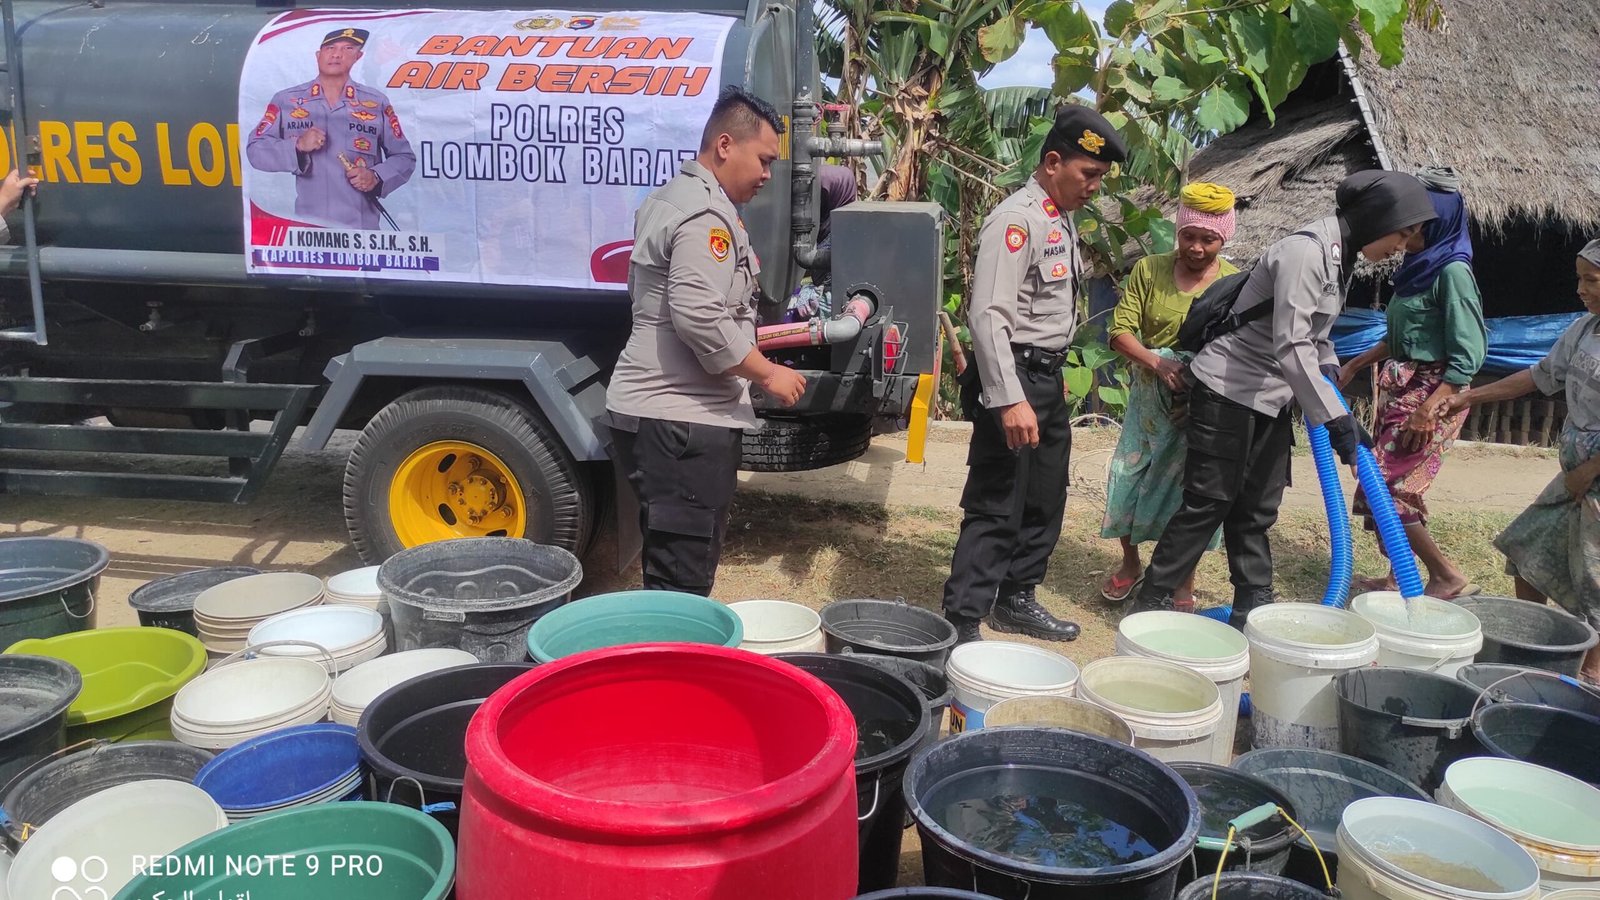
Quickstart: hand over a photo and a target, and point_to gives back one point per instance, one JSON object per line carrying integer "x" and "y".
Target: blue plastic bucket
{"x": 292, "y": 767}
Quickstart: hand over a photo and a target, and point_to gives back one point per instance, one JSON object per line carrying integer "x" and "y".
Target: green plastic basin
{"x": 130, "y": 676}
{"x": 633, "y": 617}
{"x": 411, "y": 854}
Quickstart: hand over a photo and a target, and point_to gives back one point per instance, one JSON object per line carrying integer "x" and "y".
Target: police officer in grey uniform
{"x": 341, "y": 139}
{"x": 679, "y": 399}
{"x": 1243, "y": 383}
{"x": 1023, "y": 313}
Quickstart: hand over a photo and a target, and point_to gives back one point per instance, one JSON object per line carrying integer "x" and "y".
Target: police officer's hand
{"x": 311, "y": 140}
{"x": 1345, "y": 434}
{"x": 1021, "y": 425}
{"x": 784, "y": 385}
{"x": 12, "y": 188}
{"x": 362, "y": 179}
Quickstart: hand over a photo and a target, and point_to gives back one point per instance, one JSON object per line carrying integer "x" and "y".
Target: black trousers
{"x": 684, "y": 475}
{"x": 1014, "y": 499}
{"x": 1237, "y": 467}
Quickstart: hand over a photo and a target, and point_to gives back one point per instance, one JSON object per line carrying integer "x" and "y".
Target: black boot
{"x": 1017, "y": 612}
{"x": 1147, "y": 599}
{"x": 1245, "y": 600}
{"x": 966, "y": 629}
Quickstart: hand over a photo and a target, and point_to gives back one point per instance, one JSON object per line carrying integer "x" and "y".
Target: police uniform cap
{"x": 357, "y": 36}
{"x": 1080, "y": 129}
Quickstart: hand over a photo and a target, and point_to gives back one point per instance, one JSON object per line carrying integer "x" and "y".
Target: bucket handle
{"x": 1027, "y": 886}
{"x": 249, "y": 652}
{"x": 877, "y": 785}
{"x": 422, "y": 797}
{"x": 68, "y": 608}
{"x": 1452, "y": 727}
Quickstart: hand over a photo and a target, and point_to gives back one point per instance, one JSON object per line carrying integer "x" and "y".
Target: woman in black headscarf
{"x": 1244, "y": 382}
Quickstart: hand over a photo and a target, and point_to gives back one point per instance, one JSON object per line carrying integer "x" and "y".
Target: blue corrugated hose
{"x": 1390, "y": 530}
{"x": 1338, "y": 520}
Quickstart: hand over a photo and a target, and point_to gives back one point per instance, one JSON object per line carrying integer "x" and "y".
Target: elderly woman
{"x": 1553, "y": 548}
{"x": 1145, "y": 483}
{"x": 1435, "y": 345}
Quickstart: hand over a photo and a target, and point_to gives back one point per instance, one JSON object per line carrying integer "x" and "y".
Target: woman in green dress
{"x": 1145, "y": 483}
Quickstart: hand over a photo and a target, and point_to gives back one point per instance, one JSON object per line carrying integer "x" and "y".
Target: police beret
{"x": 1082, "y": 130}
{"x": 355, "y": 36}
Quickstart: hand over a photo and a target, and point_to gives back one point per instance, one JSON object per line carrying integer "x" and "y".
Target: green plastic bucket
{"x": 130, "y": 676}
{"x": 633, "y": 617}
{"x": 402, "y": 854}
{"x": 47, "y": 586}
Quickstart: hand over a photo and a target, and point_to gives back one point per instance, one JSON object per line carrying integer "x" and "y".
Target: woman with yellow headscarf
{"x": 1145, "y": 482}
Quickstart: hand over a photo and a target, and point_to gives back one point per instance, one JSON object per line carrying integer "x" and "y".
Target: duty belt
{"x": 1046, "y": 362}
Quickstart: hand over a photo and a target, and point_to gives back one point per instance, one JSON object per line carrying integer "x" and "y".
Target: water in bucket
{"x": 1024, "y": 812}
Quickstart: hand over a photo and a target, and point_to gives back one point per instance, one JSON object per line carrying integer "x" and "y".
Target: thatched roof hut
{"x": 1506, "y": 93}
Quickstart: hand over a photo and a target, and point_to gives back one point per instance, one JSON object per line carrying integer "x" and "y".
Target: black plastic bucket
{"x": 889, "y": 627}
{"x": 1537, "y": 635}
{"x": 480, "y": 595}
{"x": 891, "y": 723}
{"x": 1321, "y": 784}
{"x": 1520, "y": 684}
{"x": 47, "y": 586}
{"x": 169, "y": 602}
{"x": 1249, "y": 886}
{"x": 35, "y": 692}
{"x": 1117, "y": 823}
{"x": 924, "y": 894}
{"x": 414, "y": 736}
{"x": 1567, "y": 742}
{"x": 1224, "y": 794}
{"x": 928, "y": 678}
{"x": 37, "y": 794}
{"x": 1413, "y": 723}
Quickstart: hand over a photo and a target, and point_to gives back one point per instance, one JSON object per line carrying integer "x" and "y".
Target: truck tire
{"x": 803, "y": 444}
{"x": 456, "y": 461}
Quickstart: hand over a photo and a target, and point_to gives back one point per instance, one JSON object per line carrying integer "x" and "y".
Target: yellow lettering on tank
{"x": 55, "y": 152}
{"x": 87, "y": 138}
{"x": 169, "y": 174}
{"x": 233, "y": 154}
{"x": 120, "y": 137}
{"x": 206, "y": 157}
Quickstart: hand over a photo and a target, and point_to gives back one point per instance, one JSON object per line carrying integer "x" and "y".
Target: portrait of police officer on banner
{"x": 341, "y": 139}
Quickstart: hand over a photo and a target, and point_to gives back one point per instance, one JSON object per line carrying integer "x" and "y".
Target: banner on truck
{"x": 492, "y": 147}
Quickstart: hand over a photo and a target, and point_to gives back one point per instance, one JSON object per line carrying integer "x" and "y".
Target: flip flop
{"x": 1114, "y": 584}
{"x": 1467, "y": 590}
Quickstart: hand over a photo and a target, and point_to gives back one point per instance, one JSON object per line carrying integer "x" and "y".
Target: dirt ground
{"x": 876, "y": 527}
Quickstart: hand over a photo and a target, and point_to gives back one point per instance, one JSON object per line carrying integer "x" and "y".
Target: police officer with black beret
{"x": 1023, "y": 313}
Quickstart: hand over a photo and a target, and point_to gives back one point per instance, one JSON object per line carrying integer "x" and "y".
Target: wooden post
{"x": 1549, "y": 421}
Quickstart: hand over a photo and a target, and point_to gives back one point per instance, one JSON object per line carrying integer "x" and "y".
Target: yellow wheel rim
{"x": 455, "y": 489}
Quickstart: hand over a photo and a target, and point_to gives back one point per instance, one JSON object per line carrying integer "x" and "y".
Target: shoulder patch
{"x": 720, "y": 242}
{"x": 1016, "y": 237}
{"x": 1049, "y": 207}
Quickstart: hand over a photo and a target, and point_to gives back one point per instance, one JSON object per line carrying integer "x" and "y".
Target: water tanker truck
{"x": 235, "y": 251}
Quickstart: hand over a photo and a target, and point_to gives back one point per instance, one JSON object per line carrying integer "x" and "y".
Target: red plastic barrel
{"x": 665, "y": 771}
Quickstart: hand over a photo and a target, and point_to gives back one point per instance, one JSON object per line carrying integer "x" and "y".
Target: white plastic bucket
{"x": 1211, "y": 648}
{"x": 1555, "y": 817}
{"x": 1575, "y": 894}
{"x": 1421, "y": 633}
{"x": 779, "y": 626}
{"x": 1394, "y": 849}
{"x": 88, "y": 849}
{"x": 1296, "y": 651}
{"x": 982, "y": 673}
{"x": 1174, "y": 711}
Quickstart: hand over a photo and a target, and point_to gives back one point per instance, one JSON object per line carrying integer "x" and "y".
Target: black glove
{"x": 1345, "y": 434}
{"x": 1331, "y": 372}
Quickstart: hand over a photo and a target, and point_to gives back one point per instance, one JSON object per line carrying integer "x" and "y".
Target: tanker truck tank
{"x": 406, "y": 221}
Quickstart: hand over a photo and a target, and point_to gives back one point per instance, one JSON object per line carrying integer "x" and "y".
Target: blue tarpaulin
{"x": 1515, "y": 342}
